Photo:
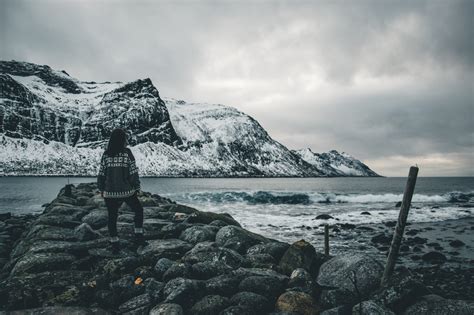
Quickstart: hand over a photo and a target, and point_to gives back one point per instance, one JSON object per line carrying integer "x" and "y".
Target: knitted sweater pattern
{"x": 118, "y": 175}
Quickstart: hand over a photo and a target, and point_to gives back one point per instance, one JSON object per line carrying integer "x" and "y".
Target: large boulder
{"x": 51, "y": 233}
{"x": 96, "y": 219}
{"x": 268, "y": 286}
{"x": 167, "y": 309}
{"x": 275, "y": 249}
{"x": 161, "y": 266}
{"x": 84, "y": 232}
{"x": 177, "y": 270}
{"x": 125, "y": 288}
{"x": 255, "y": 303}
{"x": 295, "y": 302}
{"x": 168, "y": 248}
{"x": 370, "y": 308}
{"x": 208, "y": 269}
{"x": 210, "y": 305}
{"x": 59, "y": 310}
{"x": 402, "y": 289}
{"x": 197, "y": 234}
{"x": 225, "y": 284}
{"x": 38, "y": 262}
{"x": 237, "y": 238}
{"x": 301, "y": 280}
{"x": 138, "y": 305}
{"x": 211, "y": 252}
{"x": 433, "y": 304}
{"x": 184, "y": 292}
{"x": 300, "y": 254}
{"x": 350, "y": 278}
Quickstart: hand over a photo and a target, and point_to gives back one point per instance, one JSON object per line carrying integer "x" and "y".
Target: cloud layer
{"x": 389, "y": 82}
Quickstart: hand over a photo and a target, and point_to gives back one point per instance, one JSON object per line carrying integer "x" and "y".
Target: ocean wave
{"x": 304, "y": 198}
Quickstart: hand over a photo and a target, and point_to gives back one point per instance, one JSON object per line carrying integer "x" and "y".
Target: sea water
{"x": 281, "y": 208}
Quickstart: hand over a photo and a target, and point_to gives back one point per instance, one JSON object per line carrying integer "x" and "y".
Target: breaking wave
{"x": 269, "y": 197}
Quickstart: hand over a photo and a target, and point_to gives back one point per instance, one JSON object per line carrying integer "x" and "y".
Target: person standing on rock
{"x": 118, "y": 182}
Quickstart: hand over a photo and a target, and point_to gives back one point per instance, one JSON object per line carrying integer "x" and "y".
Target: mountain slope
{"x": 337, "y": 164}
{"x": 51, "y": 123}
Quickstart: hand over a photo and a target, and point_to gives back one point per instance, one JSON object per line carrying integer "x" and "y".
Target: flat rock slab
{"x": 61, "y": 310}
{"x": 167, "y": 248}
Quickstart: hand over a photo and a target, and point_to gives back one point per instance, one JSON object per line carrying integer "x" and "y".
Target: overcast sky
{"x": 390, "y": 82}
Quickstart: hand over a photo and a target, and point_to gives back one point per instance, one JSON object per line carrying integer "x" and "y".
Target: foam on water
{"x": 285, "y": 214}
{"x": 271, "y": 197}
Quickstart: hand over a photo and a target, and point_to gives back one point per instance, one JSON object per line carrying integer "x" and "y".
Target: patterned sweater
{"x": 118, "y": 175}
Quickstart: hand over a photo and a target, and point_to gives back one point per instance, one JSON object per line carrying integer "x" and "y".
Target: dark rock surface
{"x": 350, "y": 277}
{"x": 60, "y": 262}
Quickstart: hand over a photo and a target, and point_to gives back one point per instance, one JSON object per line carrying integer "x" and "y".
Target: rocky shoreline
{"x": 195, "y": 262}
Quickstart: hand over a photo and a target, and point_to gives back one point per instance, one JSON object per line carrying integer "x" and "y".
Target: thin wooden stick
{"x": 400, "y": 227}
{"x": 326, "y": 240}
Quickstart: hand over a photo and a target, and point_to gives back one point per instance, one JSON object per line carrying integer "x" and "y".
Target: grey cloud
{"x": 377, "y": 79}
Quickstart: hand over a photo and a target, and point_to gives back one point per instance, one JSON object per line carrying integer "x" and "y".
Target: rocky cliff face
{"x": 335, "y": 163}
{"x": 42, "y": 109}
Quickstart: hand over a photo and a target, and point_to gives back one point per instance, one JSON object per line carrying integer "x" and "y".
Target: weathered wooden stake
{"x": 326, "y": 240}
{"x": 68, "y": 190}
{"x": 400, "y": 227}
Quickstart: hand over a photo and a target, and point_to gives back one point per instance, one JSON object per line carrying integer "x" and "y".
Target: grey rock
{"x": 137, "y": 302}
{"x": 38, "y": 262}
{"x": 300, "y": 278}
{"x": 177, "y": 270}
{"x": 197, "y": 234}
{"x": 210, "y": 305}
{"x": 300, "y": 254}
{"x": 126, "y": 289}
{"x": 119, "y": 266}
{"x": 434, "y": 257}
{"x": 258, "y": 304}
{"x": 96, "y": 219}
{"x": 339, "y": 310}
{"x": 295, "y": 302}
{"x": 237, "y": 310}
{"x": 435, "y": 305}
{"x": 161, "y": 266}
{"x": 209, "y": 269}
{"x": 268, "y": 286}
{"x": 237, "y": 238}
{"x": 211, "y": 252}
{"x": 275, "y": 249}
{"x": 261, "y": 261}
{"x": 60, "y": 310}
{"x": 167, "y": 309}
{"x": 154, "y": 289}
{"x": 84, "y": 232}
{"x": 168, "y": 248}
{"x": 353, "y": 277}
{"x": 225, "y": 284}
{"x": 182, "y": 291}
{"x": 401, "y": 290}
{"x": 370, "y": 308}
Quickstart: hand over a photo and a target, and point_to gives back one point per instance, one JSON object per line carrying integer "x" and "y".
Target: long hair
{"x": 117, "y": 142}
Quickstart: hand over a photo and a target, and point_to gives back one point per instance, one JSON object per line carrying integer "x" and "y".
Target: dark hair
{"x": 117, "y": 142}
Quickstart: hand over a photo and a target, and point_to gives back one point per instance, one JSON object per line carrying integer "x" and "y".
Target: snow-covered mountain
{"x": 53, "y": 124}
{"x": 335, "y": 163}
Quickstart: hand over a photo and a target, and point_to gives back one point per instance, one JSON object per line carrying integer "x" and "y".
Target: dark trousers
{"x": 113, "y": 204}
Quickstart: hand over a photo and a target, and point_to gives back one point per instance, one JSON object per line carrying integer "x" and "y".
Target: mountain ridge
{"x": 42, "y": 108}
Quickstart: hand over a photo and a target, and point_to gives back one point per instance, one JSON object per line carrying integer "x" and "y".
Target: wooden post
{"x": 68, "y": 190}
{"x": 326, "y": 240}
{"x": 400, "y": 227}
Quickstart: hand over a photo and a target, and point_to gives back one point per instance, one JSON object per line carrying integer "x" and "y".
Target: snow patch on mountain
{"x": 53, "y": 124}
{"x": 339, "y": 164}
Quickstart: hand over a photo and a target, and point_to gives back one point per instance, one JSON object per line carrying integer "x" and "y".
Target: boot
{"x": 140, "y": 240}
